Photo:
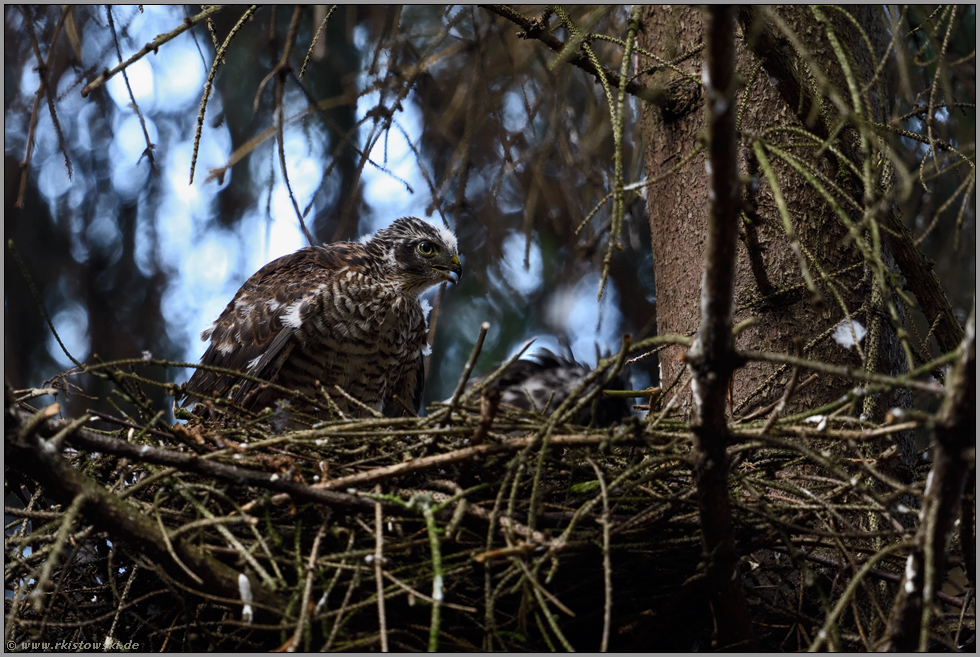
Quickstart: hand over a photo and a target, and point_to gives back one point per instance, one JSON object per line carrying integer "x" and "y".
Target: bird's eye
{"x": 428, "y": 249}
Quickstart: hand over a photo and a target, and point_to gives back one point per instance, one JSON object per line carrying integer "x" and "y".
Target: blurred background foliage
{"x": 443, "y": 112}
{"x": 941, "y": 208}
{"x": 438, "y": 112}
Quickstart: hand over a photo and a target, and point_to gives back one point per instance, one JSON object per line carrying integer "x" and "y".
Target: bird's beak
{"x": 456, "y": 272}
{"x": 453, "y": 273}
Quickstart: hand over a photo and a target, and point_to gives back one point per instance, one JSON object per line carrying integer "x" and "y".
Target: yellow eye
{"x": 428, "y": 249}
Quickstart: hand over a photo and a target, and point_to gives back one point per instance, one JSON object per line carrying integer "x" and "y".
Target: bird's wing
{"x": 254, "y": 333}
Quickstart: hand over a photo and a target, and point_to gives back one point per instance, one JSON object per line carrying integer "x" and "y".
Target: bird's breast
{"x": 362, "y": 342}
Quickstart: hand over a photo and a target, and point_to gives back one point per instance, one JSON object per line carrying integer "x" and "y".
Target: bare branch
{"x": 712, "y": 358}
{"x": 151, "y": 47}
{"x": 954, "y": 438}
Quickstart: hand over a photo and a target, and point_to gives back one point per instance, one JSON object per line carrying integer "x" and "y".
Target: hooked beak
{"x": 452, "y": 274}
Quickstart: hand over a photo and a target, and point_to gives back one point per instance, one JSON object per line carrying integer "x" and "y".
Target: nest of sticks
{"x": 476, "y": 527}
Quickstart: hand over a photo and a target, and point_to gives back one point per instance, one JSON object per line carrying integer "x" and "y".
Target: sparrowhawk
{"x": 346, "y": 314}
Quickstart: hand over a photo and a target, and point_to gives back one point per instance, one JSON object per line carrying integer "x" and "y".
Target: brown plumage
{"x": 344, "y": 314}
{"x": 542, "y": 381}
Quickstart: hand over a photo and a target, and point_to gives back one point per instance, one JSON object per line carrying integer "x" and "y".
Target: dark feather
{"x": 545, "y": 379}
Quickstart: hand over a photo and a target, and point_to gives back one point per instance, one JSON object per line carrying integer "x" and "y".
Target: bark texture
{"x": 769, "y": 284}
{"x": 799, "y": 272}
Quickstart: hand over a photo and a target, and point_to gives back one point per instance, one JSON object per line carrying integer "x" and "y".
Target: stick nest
{"x": 474, "y": 528}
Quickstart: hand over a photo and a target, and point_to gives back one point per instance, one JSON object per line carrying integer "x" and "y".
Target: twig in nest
{"x": 489, "y": 403}
{"x": 59, "y": 543}
{"x": 794, "y": 377}
{"x": 606, "y": 562}
{"x": 468, "y": 368}
{"x": 768, "y": 409}
{"x": 170, "y": 548}
{"x": 541, "y": 594}
{"x": 437, "y": 572}
{"x": 488, "y": 381}
{"x": 304, "y": 608}
{"x": 378, "y": 572}
{"x": 357, "y": 402}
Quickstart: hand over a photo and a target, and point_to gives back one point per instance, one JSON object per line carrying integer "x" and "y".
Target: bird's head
{"x": 418, "y": 254}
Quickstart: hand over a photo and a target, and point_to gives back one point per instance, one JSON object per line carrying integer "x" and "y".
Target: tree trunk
{"x": 799, "y": 272}
{"x": 769, "y": 283}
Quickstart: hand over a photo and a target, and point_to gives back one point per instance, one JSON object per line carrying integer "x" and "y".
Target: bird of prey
{"x": 346, "y": 314}
{"x": 544, "y": 380}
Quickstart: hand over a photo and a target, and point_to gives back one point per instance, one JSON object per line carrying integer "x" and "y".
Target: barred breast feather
{"x": 345, "y": 314}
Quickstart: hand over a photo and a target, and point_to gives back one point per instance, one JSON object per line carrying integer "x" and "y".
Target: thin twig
{"x": 38, "y": 300}
{"x": 316, "y": 36}
{"x": 152, "y": 46}
{"x": 468, "y": 368}
{"x": 531, "y": 30}
{"x": 438, "y": 584}
{"x": 606, "y": 560}
{"x": 905, "y": 381}
{"x": 304, "y": 609}
{"x": 208, "y": 84}
{"x": 67, "y": 521}
{"x": 279, "y": 113}
{"x": 43, "y": 90}
{"x": 148, "y": 152}
{"x": 794, "y": 377}
{"x": 379, "y": 555}
{"x": 421, "y": 596}
{"x": 543, "y": 596}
